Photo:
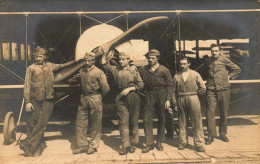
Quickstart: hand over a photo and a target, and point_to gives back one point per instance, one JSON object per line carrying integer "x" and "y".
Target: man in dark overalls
{"x": 38, "y": 96}
{"x": 127, "y": 101}
{"x": 159, "y": 89}
{"x": 218, "y": 91}
{"x": 93, "y": 87}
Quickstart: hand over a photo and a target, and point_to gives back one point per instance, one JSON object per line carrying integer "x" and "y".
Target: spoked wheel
{"x": 9, "y": 128}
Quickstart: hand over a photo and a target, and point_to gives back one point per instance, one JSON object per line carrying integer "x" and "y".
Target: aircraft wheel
{"x": 9, "y": 128}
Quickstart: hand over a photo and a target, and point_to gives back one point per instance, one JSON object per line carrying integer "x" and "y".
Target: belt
{"x": 156, "y": 88}
{"x": 187, "y": 94}
{"x": 89, "y": 94}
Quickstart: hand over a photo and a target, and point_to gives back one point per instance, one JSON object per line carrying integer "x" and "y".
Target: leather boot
{"x": 147, "y": 148}
{"x": 91, "y": 150}
{"x": 132, "y": 148}
{"x": 82, "y": 149}
{"x": 224, "y": 138}
{"x": 200, "y": 149}
{"x": 124, "y": 150}
{"x": 210, "y": 140}
{"x": 182, "y": 146}
{"x": 159, "y": 146}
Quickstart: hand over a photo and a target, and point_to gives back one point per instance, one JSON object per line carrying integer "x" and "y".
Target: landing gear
{"x": 9, "y": 129}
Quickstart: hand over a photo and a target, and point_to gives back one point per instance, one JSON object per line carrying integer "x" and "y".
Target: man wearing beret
{"x": 93, "y": 87}
{"x": 159, "y": 90}
{"x": 218, "y": 91}
{"x": 38, "y": 96}
{"x": 129, "y": 82}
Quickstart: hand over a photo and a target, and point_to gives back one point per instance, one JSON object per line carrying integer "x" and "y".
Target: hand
{"x": 125, "y": 92}
{"x": 29, "y": 107}
{"x": 170, "y": 111}
{"x": 176, "y": 109}
{"x": 167, "y": 104}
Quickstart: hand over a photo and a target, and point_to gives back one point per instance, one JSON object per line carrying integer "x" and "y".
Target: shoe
{"x": 124, "y": 150}
{"x": 132, "y": 149}
{"x": 25, "y": 147}
{"x": 200, "y": 149}
{"x": 182, "y": 146}
{"x": 82, "y": 149}
{"x": 39, "y": 151}
{"x": 210, "y": 140}
{"x": 159, "y": 146}
{"x": 91, "y": 150}
{"x": 147, "y": 148}
{"x": 224, "y": 138}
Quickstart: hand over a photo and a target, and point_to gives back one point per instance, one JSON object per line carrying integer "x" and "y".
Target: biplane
{"x": 67, "y": 35}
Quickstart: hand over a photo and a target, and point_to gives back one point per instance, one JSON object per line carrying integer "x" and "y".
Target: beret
{"x": 89, "y": 55}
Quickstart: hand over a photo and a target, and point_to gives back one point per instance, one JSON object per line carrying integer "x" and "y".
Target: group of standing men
{"x": 161, "y": 92}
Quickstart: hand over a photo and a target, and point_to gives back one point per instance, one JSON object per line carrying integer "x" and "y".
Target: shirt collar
{"x": 125, "y": 68}
{"x": 155, "y": 66}
{"x": 89, "y": 69}
{"x": 41, "y": 65}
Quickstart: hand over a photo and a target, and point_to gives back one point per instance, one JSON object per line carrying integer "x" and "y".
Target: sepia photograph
{"x": 129, "y": 81}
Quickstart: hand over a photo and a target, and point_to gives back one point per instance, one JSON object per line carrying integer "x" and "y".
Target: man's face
{"x": 39, "y": 58}
{"x": 89, "y": 62}
{"x": 153, "y": 60}
{"x": 184, "y": 65}
{"x": 215, "y": 52}
{"x": 123, "y": 62}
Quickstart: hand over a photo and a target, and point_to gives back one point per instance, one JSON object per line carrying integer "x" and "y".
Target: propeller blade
{"x": 139, "y": 28}
{"x": 65, "y": 72}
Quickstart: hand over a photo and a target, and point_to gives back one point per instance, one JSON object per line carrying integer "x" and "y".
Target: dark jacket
{"x": 161, "y": 77}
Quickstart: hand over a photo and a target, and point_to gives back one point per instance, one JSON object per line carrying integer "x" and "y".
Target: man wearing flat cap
{"x": 93, "y": 87}
{"x": 38, "y": 97}
{"x": 159, "y": 90}
{"x": 129, "y": 82}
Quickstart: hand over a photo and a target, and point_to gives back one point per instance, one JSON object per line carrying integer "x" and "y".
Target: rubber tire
{"x": 9, "y": 129}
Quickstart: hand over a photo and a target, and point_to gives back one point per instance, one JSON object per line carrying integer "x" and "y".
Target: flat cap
{"x": 123, "y": 55}
{"x": 154, "y": 52}
{"x": 89, "y": 55}
{"x": 38, "y": 50}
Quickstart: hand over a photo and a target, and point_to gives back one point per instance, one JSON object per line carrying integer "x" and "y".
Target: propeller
{"x": 140, "y": 28}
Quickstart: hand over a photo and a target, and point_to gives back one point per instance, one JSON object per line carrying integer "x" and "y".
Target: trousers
{"x": 37, "y": 122}
{"x": 154, "y": 103}
{"x": 221, "y": 99}
{"x": 89, "y": 116}
{"x": 128, "y": 109}
{"x": 169, "y": 124}
{"x": 190, "y": 109}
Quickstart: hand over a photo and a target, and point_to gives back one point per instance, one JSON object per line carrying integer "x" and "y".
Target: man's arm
{"x": 139, "y": 81}
{"x": 169, "y": 86}
{"x": 27, "y": 90}
{"x": 27, "y": 86}
{"x": 169, "y": 83}
{"x": 201, "y": 85}
{"x": 103, "y": 84}
{"x": 174, "y": 102}
{"x": 235, "y": 70}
